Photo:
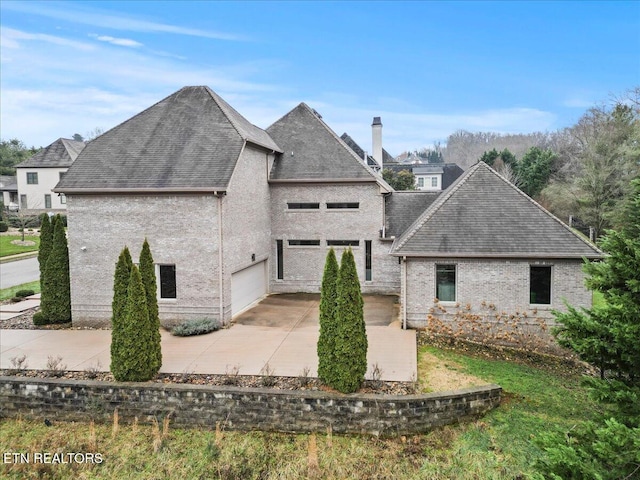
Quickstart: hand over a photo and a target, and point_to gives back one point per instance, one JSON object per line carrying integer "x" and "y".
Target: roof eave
{"x": 322, "y": 180}
{"x": 551, "y": 256}
{"x": 90, "y": 190}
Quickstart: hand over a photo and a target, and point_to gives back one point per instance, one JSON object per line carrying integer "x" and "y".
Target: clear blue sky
{"x": 427, "y": 68}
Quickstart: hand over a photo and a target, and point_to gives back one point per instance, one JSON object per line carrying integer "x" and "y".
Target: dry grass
{"x": 498, "y": 446}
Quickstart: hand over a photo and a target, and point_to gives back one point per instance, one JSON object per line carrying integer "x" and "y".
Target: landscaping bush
{"x": 39, "y": 319}
{"x": 46, "y": 242}
{"x": 16, "y": 299}
{"x": 148, "y": 275}
{"x": 32, "y": 222}
{"x": 24, "y": 293}
{"x": 55, "y": 301}
{"x": 328, "y": 326}
{"x": 121, "y": 279}
{"x": 351, "y": 337}
{"x": 137, "y": 353}
{"x": 197, "y": 326}
{"x": 4, "y": 226}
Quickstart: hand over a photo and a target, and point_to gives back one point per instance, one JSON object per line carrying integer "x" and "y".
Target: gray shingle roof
{"x": 312, "y": 151}
{"x": 483, "y": 215}
{"x": 188, "y": 141}
{"x": 403, "y": 208}
{"x": 61, "y": 153}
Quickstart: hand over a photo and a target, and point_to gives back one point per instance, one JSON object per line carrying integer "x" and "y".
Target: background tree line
{"x": 583, "y": 171}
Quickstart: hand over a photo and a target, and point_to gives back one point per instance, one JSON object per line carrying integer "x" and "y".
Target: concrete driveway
{"x": 281, "y": 332}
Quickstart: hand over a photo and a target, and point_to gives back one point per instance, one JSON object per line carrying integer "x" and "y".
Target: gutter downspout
{"x": 220, "y": 277}
{"x": 404, "y": 293}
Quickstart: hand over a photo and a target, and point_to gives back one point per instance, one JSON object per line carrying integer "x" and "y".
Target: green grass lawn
{"x": 7, "y": 293}
{"x": 7, "y": 248}
{"x": 497, "y": 446}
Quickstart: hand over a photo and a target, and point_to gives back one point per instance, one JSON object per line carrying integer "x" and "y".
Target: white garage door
{"x": 247, "y": 286}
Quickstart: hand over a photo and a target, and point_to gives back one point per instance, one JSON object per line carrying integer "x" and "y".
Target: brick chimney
{"x": 376, "y": 131}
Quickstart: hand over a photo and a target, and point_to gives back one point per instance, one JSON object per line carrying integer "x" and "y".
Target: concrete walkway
{"x": 252, "y": 343}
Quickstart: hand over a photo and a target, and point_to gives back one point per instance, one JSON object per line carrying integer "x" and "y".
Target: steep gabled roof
{"x": 483, "y": 215}
{"x": 313, "y": 152}
{"x": 189, "y": 141}
{"x": 60, "y": 154}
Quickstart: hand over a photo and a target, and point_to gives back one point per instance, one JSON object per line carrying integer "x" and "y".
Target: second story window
{"x": 32, "y": 178}
{"x": 342, "y": 205}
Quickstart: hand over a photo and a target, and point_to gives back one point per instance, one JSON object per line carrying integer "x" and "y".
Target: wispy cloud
{"x": 121, "y": 42}
{"x": 11, "y": 39}
{"x": 75, "y": 13}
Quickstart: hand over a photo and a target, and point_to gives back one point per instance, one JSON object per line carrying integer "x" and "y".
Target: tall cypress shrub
{"x": 121, "y": 279}
{"x": 148, "y": 274}
{"x": 55, "y": 300}
{"x": 351, "y": 338}
{"x": 46, "y": 242}
{"x": 134, "y": 359}
{"x": 328, "y": 325}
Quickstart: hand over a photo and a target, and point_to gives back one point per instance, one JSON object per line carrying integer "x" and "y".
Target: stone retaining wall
{"x": 241, "y": 408}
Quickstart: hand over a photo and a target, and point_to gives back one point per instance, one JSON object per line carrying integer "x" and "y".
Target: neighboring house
{"x": 9, "y": 192}
{"x": 38, "y": 175}
{"x": 233, "y": 212}
{"x": 430, "y": 177}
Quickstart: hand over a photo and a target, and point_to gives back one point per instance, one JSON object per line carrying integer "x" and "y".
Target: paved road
{"x": 19, "y": 272}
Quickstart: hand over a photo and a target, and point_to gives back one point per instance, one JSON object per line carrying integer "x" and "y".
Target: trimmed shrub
{"x": 4, "y": 226}
{"x": 134, "y": 357}
{"x": 55, "y": 301}
{"x": 121, "y": 279}
{"x": 198, "y": 326}
{"x": 24, "y": 293}
{"x": 328, "y": 326}
{"x": 16, "y": 299}
{"x": 351, "y": 336}
{"x": 46, "y": 242}
{"x": 148, "y": 275}
{"x": 38, "y": 319}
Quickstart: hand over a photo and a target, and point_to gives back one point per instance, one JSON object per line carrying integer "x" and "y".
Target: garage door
{"x": 247, "y": 286}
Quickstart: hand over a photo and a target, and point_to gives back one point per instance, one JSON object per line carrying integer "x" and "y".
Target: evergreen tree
{"x": 133, "y": 359}
{"x": 606, "y": 336}
{"x": 534, "y": 170}
{"x": 121, "y": 280}
{"x": 55, "y": 298}
{"x": 328, "y": 325}
{"x": 148, "y": 274}
{"x": 46, "y": 242}
{"x": 351, "y": 336}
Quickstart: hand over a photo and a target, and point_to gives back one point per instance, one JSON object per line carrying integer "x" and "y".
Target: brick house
{"x": 484, "y": 243}
{"x": 37, "y": 176}
{"x": 233, "y": 212}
